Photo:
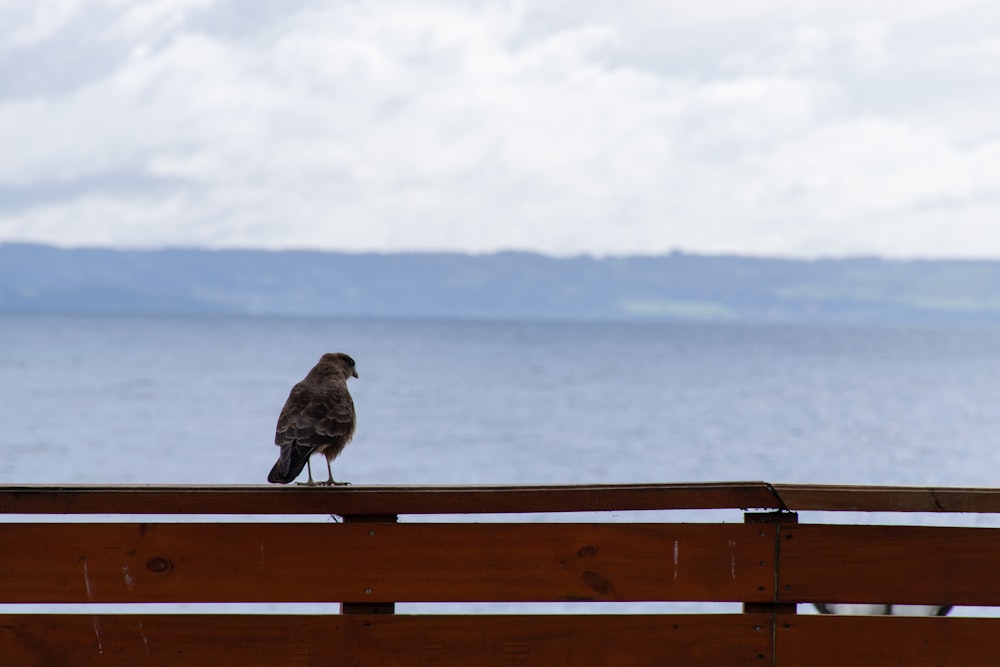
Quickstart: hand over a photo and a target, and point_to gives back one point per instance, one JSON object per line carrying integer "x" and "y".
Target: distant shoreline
{"x": 39, "y": 279}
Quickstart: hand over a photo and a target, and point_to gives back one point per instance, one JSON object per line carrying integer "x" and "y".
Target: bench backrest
{"x": 370, "y": 561}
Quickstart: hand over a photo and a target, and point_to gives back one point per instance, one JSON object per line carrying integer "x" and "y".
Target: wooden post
{"x": 369, "y": 607}
{"x": 774, "y": 518}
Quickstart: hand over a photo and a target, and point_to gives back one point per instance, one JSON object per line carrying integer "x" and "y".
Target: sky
{"x": 773, "y": 127}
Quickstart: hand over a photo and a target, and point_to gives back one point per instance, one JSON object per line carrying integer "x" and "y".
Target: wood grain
{"x": 263, "y": 499}
{"x": 801, "y": 497}
{"x": 214, "y": 500}
{"x": 884, "y": 641}
{"x": 41, "y": 640}
{"x": 386, "y": 641}
{"x": 384, "y": 562}
{"x": 889, "y": 564}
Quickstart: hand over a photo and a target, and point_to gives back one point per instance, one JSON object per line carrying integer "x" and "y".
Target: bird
{"x": 318, "y": 418}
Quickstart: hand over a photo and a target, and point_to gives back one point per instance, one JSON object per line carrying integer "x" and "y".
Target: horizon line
{"x": 676, "y": 252}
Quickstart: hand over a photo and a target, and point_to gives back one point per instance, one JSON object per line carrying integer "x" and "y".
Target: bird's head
{"x": 341, "y": 361}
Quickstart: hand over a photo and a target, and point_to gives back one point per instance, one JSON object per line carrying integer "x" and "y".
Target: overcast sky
{"x": 773, "y": 127}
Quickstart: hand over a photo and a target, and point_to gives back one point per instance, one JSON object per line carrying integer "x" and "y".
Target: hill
{"x": 44, "y": 279}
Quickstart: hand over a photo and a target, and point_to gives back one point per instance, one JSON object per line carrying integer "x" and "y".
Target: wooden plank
{"x": 379, "y": 562}
{"x": 386, "y": 641}
{"x": 154, "y": 499}
{"x": 379, "y": 499}
{"x": 889, "y": 564}
{"x": 801, "y": 497}
{"x": 886, "y": 641}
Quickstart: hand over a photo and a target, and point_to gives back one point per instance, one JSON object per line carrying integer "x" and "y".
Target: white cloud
{"x": 34, "y": 22}
{"x": 737, "y": 127}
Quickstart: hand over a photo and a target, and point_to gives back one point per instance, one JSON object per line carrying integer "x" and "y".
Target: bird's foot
{"x": 333, "y": 482}
{"x": 310, "y": 483}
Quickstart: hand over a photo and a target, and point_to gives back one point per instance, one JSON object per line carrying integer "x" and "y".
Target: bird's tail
{"x": 290, "y": 463}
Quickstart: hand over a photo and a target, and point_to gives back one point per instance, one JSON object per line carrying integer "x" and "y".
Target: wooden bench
{"x": 368, "y": 562}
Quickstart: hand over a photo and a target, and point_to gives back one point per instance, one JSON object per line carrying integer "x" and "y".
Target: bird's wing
{"x": 312, "y": 418}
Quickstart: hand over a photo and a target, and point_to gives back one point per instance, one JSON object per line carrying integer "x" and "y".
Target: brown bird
{"x": 318, "y": 418}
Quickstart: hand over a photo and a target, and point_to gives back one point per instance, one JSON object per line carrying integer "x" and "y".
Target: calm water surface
{"x": 174, "y": 400}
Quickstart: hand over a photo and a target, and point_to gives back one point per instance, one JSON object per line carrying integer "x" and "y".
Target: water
{"x": 195, "y": 400}
{"x": 174, "y": 400}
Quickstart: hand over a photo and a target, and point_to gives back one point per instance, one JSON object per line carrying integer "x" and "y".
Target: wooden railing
{"x": 370, "y": 561}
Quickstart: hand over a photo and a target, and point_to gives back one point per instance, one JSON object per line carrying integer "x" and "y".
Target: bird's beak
{"x": 354, "y": 373}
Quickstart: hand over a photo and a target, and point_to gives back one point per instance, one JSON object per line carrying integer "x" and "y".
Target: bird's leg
{"x": 330, "y": 481}
{"x": 310, "y": 482}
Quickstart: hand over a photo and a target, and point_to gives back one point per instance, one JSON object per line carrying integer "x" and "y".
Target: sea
{"x": 194, "y": 400}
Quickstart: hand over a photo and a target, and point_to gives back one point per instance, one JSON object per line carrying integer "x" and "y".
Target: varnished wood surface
{"x": 803, "y": 497}
{"x": 502, "y": 499}
{"x": 889, "y": 564}
{"x": 42, "y": 640}
{"x": 386, "y": 641}
{"x": 384, "y": 562}
{"x": 345, "y": 500}
{"x": 886, "y": 641}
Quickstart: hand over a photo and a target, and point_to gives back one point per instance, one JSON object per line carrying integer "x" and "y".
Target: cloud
{"x": 730, "y": 127}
